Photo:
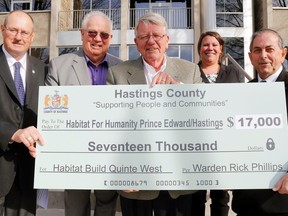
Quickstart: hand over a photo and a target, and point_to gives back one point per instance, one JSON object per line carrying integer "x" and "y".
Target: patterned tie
{"x": 19, "y": 83}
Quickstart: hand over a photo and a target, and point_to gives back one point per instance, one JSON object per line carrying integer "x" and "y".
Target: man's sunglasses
{"x": 103, "y": 35}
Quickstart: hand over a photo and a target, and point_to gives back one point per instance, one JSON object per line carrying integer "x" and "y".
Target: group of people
{"x": 21, "y": 75}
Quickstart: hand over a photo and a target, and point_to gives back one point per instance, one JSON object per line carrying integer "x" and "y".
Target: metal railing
{"x": 235, "y": 63}
{"x": 176, "y": 18}
{"x": 72, "y": 20}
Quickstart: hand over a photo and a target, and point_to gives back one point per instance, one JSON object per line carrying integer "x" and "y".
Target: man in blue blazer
{"x": 87, "y": 67}
{"x": 154, "y": 67}
{"x": 18, "y": 116}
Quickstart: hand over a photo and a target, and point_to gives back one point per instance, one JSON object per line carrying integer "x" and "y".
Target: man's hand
{"x": 28, "y": 136}
{"x": 130, "y": 191}
{"x": 163, "y": 78}
{"x": 282, "y": 185}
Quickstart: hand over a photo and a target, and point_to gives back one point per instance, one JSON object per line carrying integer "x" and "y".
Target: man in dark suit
{"x": 267, "y": 54}
{"x": 87, "y": 67}
{"x": 18, "y": 115}
{"x": 154, "y": 67}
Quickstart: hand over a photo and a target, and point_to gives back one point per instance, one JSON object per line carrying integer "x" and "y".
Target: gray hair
{"x": 153, "y": 18}
{"x": 96, "y": 14}
{"x": 257, "y": 33}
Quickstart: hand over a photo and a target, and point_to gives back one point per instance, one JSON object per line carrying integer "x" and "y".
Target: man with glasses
{"x": 88, "y": 66}
{"x": 154, "y": 67}
{"x": 20, "y": 77}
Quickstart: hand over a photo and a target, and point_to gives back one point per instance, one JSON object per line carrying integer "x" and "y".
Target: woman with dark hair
{"x": 210, "y": 49}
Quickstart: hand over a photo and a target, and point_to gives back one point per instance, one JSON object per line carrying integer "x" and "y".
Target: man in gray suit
{"x": 87, "y": 67}
{"x": 20, "y": 77}
{"x": 154, "y": 67}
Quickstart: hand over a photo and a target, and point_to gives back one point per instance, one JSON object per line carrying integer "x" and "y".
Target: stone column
{"x": 55, "y": 7}
{"x": 124, "y": 29}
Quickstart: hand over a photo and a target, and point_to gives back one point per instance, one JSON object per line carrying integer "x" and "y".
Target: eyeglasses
{"x": 14, "y": 32}
{"x": 155, "y": 37}
{"x": 93, "y": 34}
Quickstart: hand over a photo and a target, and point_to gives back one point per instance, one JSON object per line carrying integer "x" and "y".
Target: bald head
{"x": 18, "y": 33}
{"x": 18, "y": 13}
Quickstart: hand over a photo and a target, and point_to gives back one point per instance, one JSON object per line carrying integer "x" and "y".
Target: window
{"x": 42, "y": 5}
{"x": 235, "y": 47}
{"x": 21, "y": 5}
{"x": 114, "y": 50}
{"x": 110, "y": 7}
{"x": 40, "y": 53}
{"x": 178, "y": 14}
{"x": 280, "y": 3}
{"x": 133, "y": 52}
{"x": 65, "y": 50}
{"x": 186, "y": 52}
{"x": 5, "y": 6}
{"x": 229, "y": 13}
{"x": 101, "y": 4}
{"x": 8, "y": 5}
{"x": 174, "y": 51}
{"x": 181, "y": 51}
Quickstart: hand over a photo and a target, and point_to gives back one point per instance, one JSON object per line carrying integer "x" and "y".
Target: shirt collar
{"x": 150, "y": 72}
{"x": 11, "y": 60}
{"x": 105, "y": 59}
{"x": 149, "y": 68}
{"x": 273, "y": 77}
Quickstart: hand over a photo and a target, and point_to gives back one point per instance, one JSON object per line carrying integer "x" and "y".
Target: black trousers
{"x": 261, "y": 214}
{"x": 163, "y": 205}
{"x": 19, "y": 202}
{"x": 77, "y": 202}
{"x": 219, "y": 203}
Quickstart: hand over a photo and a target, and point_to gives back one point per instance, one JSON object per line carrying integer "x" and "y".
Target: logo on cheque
{"x": 56, "y": 103}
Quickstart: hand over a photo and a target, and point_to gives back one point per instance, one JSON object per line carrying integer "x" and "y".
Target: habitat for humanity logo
{"x": 56, "y": 103}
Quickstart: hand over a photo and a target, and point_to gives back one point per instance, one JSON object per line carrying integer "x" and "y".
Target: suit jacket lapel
{"x": 5, "y": 75}
{"x": 81, "y": 70}
{"x": 137, "y": 74}
{"x": 31, "y": 79}
{"x": 172, "y": 69}
{"x": 282, "y": 76}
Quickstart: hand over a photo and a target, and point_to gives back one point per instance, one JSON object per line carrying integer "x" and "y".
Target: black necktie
{"x": 19, "y": 83}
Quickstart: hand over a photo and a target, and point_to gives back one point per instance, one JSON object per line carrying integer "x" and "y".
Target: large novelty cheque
{"x": 224, "y": 136}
